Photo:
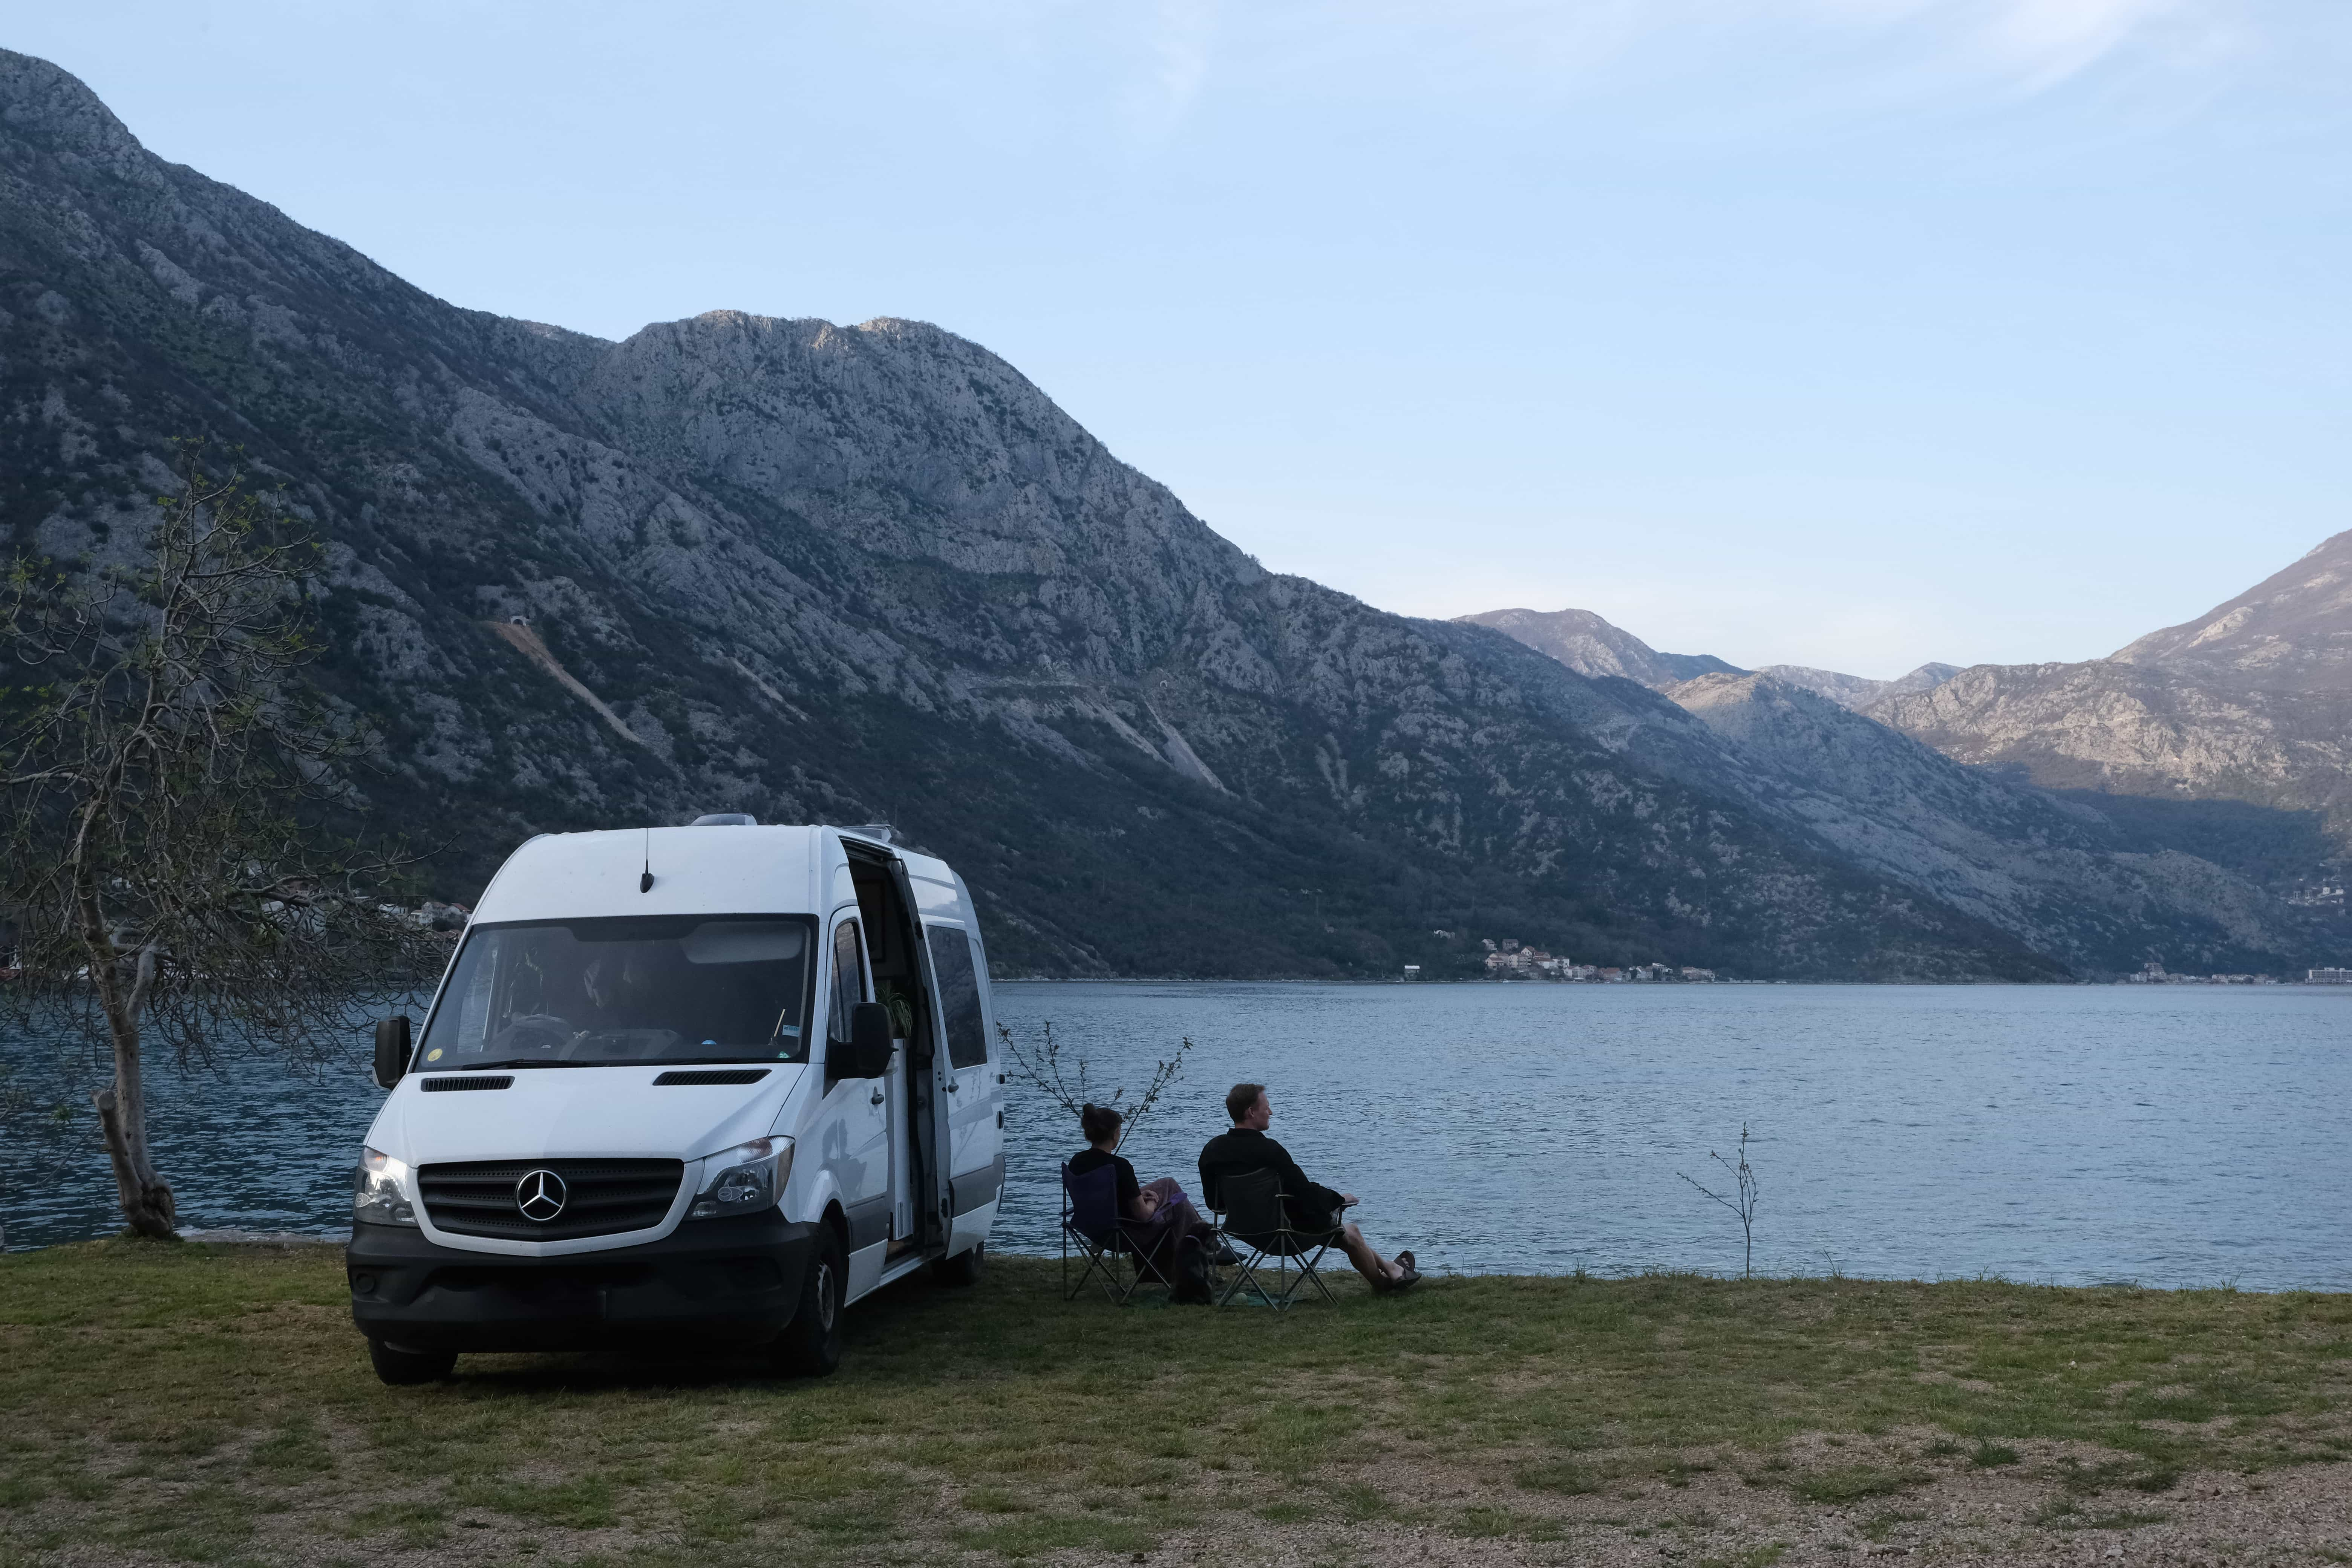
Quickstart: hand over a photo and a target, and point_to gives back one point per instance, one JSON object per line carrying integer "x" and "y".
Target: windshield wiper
{"x": 516, "y": 1062}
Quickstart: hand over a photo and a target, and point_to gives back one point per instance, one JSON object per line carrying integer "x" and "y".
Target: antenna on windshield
{"x": 646, "y": 882}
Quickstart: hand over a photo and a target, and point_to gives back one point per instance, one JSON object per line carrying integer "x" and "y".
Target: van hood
{"x": 614, "y": 1112}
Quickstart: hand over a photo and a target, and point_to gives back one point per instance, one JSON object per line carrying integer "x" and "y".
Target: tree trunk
{"x": 147, "y": 1203}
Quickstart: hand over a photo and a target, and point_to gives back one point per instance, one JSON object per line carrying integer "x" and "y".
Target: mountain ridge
{"x": 2062, "y": 875}
{"x": 1858, "y": 691}
{"x": 869, "y": 573}
{"x": 850, "y": 573}
{"x": 2250, "y": 703}
{"x": 1592, "y": 647}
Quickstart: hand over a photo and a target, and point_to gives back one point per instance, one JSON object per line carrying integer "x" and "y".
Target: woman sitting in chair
{"x": 1162, "y": 1220}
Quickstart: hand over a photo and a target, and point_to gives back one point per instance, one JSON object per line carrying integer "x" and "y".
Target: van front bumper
{"x": 722, "y": 1281}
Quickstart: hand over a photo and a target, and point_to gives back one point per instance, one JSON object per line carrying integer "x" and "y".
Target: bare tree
{"x": 168, "y": 874}
{"x": 1042, "y": 1065}
{"x": 1745, "y": 1206}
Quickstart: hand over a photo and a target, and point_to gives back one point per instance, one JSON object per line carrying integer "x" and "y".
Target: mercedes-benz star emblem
{"x": 540, "y": 1195}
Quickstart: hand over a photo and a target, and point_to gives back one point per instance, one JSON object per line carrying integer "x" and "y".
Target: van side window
{"x": 848, "y": 983}
{"x": 958, "y": 996}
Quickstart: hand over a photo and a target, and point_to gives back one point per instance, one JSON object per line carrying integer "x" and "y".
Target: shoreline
{"x": 290, "y": 1240}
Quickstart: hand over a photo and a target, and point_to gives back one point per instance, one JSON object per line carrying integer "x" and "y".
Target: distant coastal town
{"x": 2156, "y": 974}
{"x": 1510, "y": 959}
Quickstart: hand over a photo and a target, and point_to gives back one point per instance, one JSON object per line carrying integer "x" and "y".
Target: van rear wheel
{"x": 964, "y": 1267}
{"x": 809, "y": 1345}
{"x": 404, "y": 1368}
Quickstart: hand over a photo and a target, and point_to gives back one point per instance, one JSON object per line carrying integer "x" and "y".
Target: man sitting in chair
{"x": 1311, "y": 1208}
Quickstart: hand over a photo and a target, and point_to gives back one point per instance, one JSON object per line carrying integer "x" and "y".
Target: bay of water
{"x": 2172, "y": 1136}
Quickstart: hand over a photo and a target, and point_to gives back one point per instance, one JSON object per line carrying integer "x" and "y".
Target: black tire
{"x": 964, "y": 1268}
{"x": 405, "y": 1368}
{"x": 809, "y": 1345}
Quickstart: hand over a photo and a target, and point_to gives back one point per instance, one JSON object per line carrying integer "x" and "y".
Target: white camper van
{"x": 705, "y": 1084}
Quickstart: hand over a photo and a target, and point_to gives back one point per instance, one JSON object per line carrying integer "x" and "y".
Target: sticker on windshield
{"x": 434, "y": 1055}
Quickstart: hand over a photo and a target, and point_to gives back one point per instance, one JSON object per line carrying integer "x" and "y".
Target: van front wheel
{"x": 809, "y": 1345}
{"x": 964, "y": 1267}
{"x": 403, "y": 1368}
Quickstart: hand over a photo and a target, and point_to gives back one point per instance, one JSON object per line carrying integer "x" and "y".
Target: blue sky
{"x": 1845, "y": 332}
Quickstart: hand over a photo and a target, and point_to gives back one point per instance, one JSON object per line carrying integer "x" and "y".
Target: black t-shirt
{"x": 1094, "y": 1159}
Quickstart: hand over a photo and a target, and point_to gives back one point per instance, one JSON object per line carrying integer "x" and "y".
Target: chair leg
{"x": 1138, "y": 1267}
{"x": 1097, "y": 1264}
{"x": 1245, "y": 1274}
{"x": 1141, "y": 1268}
{"x": 1307, "y": 1271}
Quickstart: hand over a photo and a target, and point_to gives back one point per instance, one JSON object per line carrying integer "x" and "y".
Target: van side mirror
{"x": 869, "y": 1041}
{"x": 391, "y": 1050}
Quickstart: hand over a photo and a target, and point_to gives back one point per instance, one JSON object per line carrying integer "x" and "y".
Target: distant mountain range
{"x": 1853, "y": 691}
{"x": 1591, "y": 646}
{"x": 872, "y": 573}
{"x": 2250, "y": 705}
{"x": 2205, "y": 769}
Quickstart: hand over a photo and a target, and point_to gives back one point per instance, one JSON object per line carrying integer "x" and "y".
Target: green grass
{"x": 213, "y": 1403}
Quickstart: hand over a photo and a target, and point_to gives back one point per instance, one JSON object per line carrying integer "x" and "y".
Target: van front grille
{"x": 600, "y": 1197}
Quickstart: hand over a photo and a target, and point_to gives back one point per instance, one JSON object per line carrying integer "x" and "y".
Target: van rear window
{"x": 656, "y": 989}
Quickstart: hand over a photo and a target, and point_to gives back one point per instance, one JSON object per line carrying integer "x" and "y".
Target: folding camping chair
{"x": 1091, "y": 1217}
{"x": 1253, "y": 1215}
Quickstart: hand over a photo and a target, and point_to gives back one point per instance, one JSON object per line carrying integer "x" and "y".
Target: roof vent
{"x": 725, "y": 819}
{"x": 880, "y": 832}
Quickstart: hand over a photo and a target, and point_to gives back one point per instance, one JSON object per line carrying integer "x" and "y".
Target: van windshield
{"x": 678, "y": 988}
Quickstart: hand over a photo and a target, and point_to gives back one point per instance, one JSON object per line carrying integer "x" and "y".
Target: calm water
{"x": 2177, "y": 1136}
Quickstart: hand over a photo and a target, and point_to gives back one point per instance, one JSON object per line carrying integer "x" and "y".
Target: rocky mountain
{"x": 2231, "y": 734}
{"x": 2099, "y": 890}
{"x": 2291, "y": 632}
{"x": 1859, "y": 691}
{"x": 1591, "y": 646}
{"x": 2061, "y": 875}
{"x": 872, "y": 573}
{"x": 832, "y": 573}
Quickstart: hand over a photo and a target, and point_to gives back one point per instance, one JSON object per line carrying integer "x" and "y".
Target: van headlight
{"x": 380, "y": 1190}
{"x": 744, "y": 1179}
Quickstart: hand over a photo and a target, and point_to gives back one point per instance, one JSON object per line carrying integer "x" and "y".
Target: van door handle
{"x": 878, "y": 1098}
{"x": 953, "y": 1086}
